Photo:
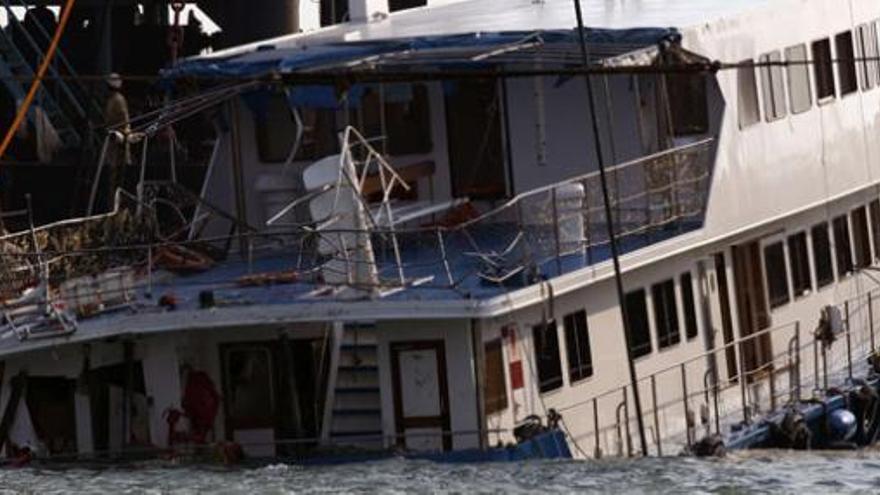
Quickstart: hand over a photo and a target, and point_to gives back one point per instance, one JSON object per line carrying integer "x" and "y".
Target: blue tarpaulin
{"x": 333, "y": 55}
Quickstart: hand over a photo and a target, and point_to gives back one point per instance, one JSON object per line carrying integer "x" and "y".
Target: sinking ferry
{"x": 401, "y": 244}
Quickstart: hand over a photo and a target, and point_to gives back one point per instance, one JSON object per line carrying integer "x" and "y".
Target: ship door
{"x": 421, "y": 399}
{"x": 717, "y": 320}
{"x": 751, "y": 305}
{"x": 474, "y": 139}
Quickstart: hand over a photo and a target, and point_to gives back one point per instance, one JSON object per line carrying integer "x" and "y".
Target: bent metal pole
{"x": 612, "y": 239}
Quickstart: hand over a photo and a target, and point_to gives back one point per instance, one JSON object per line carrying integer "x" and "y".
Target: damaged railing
{"x": 706, "y": 395}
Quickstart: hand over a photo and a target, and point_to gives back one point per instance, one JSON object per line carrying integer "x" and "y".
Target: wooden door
{"x": 421, "y": 398}
{"x": 751, "y": 305}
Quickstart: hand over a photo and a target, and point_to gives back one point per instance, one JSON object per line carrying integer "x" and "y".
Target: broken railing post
{"x": 656, "y": 415}
{"x": 849, "y": 367}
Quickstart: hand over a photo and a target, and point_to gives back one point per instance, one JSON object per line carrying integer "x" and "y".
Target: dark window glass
{"x": 690, "y": 310}
{"x": 577, "y": 346}
{"x": 547, "y": 356}
{"x": 822, "y": 254}
{"x": 407, "y": 119}
{"x": 275, "y": 129}
{"x": 496, "y": 390}
{"x": 875, "y": 226}
{"x": 846, "y": 67}
{"x": 249, "y": 387}
{"x": 665, "y": 313}
{"x": 777, "y": 275}
{"x": 861, "y": 237}
{"x": 395, "y": 5}
{"x": 688, "y": 104}
{"x": 842, "y": 247}
{"x": 333, "y": 11}
{"x": 823, "y": 70}
{"x": 801, "y": 279}
{"x": 637, "y": 318}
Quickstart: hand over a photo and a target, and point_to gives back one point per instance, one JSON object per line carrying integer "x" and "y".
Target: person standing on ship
{"x": 116, "y": 117}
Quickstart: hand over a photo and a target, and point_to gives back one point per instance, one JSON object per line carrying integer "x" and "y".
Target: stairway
{"x": 356, "y": 414}
{"x": 68, "y": 105}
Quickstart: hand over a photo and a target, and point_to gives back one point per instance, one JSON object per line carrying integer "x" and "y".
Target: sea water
{"x": 751, "y": 472}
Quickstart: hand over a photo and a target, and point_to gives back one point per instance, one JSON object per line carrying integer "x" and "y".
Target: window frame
{"x": 823, "y": 281}
{"x": 581, "y": 370}
{"x": 842, "y": 256}
{"x": 846, "y": 61}
{"x": 802, "y": 66}
{"x": 827, "y": 73}
{"x": 548, "y": 384}
{"x": 664, "y": 319}
{"x": 689, "y": 305}
{"x": 773, "y": 91}
{"x": 798, "y": 290}
{"x": 646, "y": 346}
{"x": 775, "y": 301}
{"x": 860, "y": 237}
{"x": 874, "y": 224}
{"x": 746, "y": 79}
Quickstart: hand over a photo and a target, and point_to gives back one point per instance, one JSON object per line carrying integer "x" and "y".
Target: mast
{"x": 612, "y": 239}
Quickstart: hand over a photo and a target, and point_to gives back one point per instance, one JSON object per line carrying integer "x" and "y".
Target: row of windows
{"x": 792, "y": 276}
{"x": 856, "y": 63}
{"x": 577, "y": 346}
{"x": 666, "y": 315}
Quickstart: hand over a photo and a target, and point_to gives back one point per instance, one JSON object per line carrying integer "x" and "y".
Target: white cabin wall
{"x": 567, "y": 128}
{"x": 456, "y": 335}
{"x": 823, "y": 148}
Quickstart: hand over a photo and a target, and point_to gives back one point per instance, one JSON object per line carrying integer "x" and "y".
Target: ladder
{"x": 354, "y": 415}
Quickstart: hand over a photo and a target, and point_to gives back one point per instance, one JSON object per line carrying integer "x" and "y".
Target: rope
{"x": 38, "y": 78}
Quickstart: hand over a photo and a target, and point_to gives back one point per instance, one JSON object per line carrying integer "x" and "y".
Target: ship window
{"x": 822, "y": 254}
{"x": 665, "y": 314}
{"x": 866, "y": 48}
{"x": 690, "y": 309}
{"x": 577, "y": 345}
{"x": 873, "y": 52}
{"x": 801, "y": 279}
{"x": 546, "y": 344}
{"x": 773, "y": 87}
{"x": 275, "y": 129}
{"x": 777, "y": 275}
{"x": 395, "y": 5}
{"x": 637, "y": 319}
{"x": 687, "y": 101}
{"x": 407, "y": 121}
{"x": 861, "y": 237}
{"x": 749, "y": 112}
{"x": 874, "y": 208}
{"x": 842, "y": 247}
{"x": 799, "y": 93}
{"x": 823, "y": 70}
{"x": 496, "y": 390}
{"x": 846, "y": 66}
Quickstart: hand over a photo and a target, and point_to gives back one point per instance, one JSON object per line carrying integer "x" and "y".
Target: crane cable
{"x": 41, "y": 72}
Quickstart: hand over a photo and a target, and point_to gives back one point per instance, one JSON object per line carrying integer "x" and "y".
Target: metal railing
{"x": 677, "y": 392}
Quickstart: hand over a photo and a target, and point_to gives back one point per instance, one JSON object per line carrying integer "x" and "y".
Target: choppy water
{"x": 764, "y": 472}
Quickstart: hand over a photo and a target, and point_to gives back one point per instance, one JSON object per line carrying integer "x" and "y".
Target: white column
{"x": 162, "y": 381}
{"x": 367, "y": 10}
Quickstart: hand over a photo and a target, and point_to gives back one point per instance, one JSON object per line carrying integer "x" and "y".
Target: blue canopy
{"x": 422, "y": 51}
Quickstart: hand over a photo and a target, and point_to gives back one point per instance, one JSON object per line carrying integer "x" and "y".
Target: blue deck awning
{"x": 471, "y": 50}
